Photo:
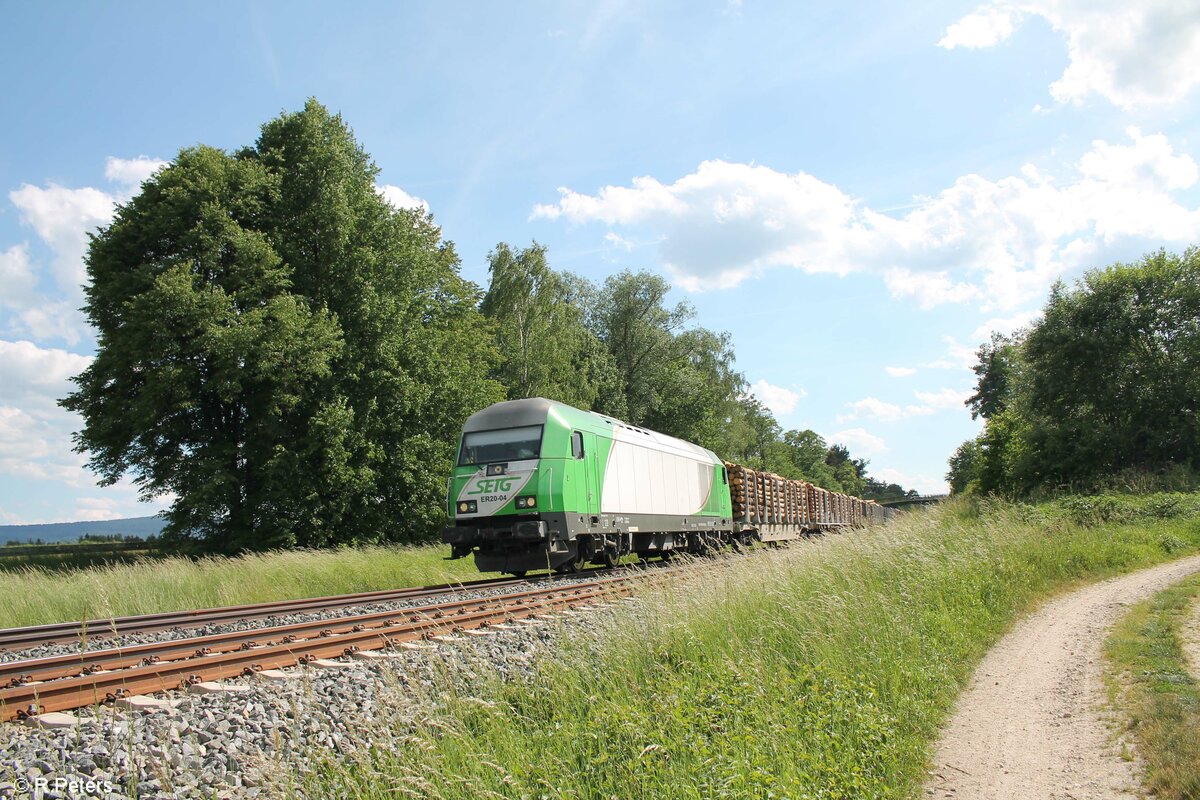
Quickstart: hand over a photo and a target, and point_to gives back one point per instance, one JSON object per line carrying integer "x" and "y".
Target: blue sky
{"x": 858, "y": 198}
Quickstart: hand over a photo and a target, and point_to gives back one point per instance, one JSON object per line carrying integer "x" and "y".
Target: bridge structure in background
{"x": 920, "y": 500}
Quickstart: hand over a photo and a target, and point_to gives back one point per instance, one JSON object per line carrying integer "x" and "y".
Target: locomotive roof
{"x": 510, "y": 414}
{"x": 536, "y": 411}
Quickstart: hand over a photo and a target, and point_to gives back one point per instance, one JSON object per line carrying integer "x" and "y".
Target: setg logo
{"x": 493, "y": 485}
{"x": 492, "y": 493}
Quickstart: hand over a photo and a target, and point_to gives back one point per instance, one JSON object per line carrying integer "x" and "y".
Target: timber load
{"x": 765, "y": 501}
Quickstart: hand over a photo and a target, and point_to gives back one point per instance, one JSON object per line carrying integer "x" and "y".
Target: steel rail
{"x": 156, "y": 676}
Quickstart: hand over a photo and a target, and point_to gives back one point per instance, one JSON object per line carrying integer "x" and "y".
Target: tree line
{"x": 291, "y": 358}
{"x": 1102, "y": 389}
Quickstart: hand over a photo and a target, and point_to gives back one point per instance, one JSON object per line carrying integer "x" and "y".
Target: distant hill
{"x": 143, "y": 527}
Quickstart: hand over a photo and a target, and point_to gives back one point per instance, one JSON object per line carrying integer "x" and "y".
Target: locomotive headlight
{"x": 466, "y": 507}
{"x": 526, "y": 502}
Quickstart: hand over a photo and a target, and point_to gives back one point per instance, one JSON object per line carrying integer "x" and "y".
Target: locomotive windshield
{"x": 510, "y": 444}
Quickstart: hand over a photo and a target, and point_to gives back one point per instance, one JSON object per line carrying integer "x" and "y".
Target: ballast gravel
{"x": 230, "y": 745}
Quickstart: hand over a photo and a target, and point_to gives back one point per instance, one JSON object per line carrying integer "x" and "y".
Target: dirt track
{"x": 1029, "y": 725}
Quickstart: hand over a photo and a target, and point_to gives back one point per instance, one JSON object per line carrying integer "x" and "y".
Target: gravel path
{"x": 1029, "y": 725}
{"x": 231, "y": 745}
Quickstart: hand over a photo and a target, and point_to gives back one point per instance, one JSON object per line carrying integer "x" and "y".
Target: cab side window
{"x": 577, "y": 445}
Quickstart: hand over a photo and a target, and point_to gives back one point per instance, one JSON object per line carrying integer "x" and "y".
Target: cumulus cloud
{"x": 1130, "y": 53}
{"x": 778, "y": 399}
{"x": 942, "y": 399}
{"x": 900, "y": 372}
{"x": 985, "y": 27}
{"x": 63, "y": 218}
{"x": 860, "y": 442}
{"x": 131, "y": 172}
{"x": 35, "y": 434}
{"x": 35, "y": 377}
{"x": 997, "y": 243}
{"x": 929, "y": 289}
{"x": 929, "y": 403}
{"x": 17, "y": 281}
{"x": 398, "y": 198}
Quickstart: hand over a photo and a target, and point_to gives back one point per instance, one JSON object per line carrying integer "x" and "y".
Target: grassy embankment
{"x": 65, "y": 557}
{"x": 1154, "y": 689}
{"x": 34, "y": 596}
{"x": 822, "y": 671}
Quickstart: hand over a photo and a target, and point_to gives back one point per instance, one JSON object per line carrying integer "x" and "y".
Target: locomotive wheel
{"x": 610, "y": 557}
{"x": 573, "y": 565}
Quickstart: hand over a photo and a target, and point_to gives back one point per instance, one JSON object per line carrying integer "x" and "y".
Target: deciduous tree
{"x": 287, "y": 355}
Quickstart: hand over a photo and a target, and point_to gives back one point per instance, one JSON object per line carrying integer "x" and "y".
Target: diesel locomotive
{"x": 541, "y": 485}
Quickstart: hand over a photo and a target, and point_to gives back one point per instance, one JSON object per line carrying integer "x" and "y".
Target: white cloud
{"x": 942, "y": 399}
{"x": 1004, "y": 325}
{"x": 398, "y": 198}
{"x": 929, "y": 403}
{"x": 900, "y": 372}
{"x": 998, "y": 243}
{"x": 97, "y": 508}
{"x": 17, "y": 281}
{"x": 63, "y": 218}
{"x": 1130, "y": 53}
{"x": 35, "y": 433}
{"x": 31, "y": 372}
{"x": 873, "y": 408}
{"x": 985, "y": 27}
{"x": 958, "y": 356}
{"x": 860, "y": 442}
{"x": 52, "y": 321}
{"x": 131, "y": 172}
{"x": 779, "y": 400}
{"x": 618, "y": 241}
{"x": 929, "y": 288}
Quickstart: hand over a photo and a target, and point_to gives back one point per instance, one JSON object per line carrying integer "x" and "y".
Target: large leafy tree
{"x": 282, "y": 351}
{"x": 545, "y": 347}
{"x": 629, "y": 314}
{"x": 1114, "y": 368}
{"x": 1108, "y": 381}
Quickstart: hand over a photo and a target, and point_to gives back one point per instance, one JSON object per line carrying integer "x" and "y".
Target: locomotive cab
{"x": 519, "y": 463}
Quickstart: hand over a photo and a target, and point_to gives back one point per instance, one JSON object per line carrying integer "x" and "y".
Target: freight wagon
{"x": 541, "y": 485}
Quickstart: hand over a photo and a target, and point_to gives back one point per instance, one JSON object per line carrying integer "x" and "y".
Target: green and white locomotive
{"x": 542, "y": 485}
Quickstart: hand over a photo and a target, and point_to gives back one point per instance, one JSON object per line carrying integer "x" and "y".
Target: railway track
{"x": 59, "y": 683}
{"x": 64, "y": 632}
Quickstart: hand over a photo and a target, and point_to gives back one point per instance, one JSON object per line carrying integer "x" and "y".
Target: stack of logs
{"x": 763, "y": 496}
{"x": 767, "y": 498}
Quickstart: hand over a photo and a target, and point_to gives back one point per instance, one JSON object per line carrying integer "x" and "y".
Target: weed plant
{"x": 820, "y": 671}
{"x": 33, "y": 596}
{"x": 1158, "y": 695}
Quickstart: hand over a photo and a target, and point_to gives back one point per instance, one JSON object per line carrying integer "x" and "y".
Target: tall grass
{"x": 1156, "y": 692}
{"x": 823, "y": 671}
{"x": 33, "y": 596}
